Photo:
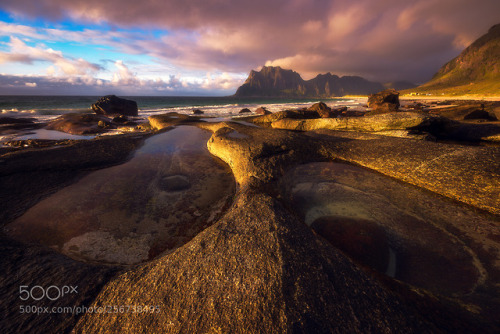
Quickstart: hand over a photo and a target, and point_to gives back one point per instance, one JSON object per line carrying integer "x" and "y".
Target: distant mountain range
{"x": 475, "y": 71}
{"x": 273, "y": 81}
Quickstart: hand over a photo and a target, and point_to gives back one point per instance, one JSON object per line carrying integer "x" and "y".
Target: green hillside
{"x": 475, "y": 71}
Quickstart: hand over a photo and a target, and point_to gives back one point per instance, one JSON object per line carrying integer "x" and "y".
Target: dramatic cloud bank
{"x": 380, "y": 40}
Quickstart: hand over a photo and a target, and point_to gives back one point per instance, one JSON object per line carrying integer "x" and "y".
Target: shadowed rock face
{"x": 365, "y": 214}
{"x": 361, "y": 239}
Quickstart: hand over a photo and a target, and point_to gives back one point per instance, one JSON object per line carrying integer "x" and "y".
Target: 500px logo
{"x": 52, "y": 292}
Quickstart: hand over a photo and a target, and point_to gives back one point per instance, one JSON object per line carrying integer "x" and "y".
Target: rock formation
{"x": 262, "y": 270}
{"x": 79, "y": 124}
{"x": 113, "y": 105}
{"x": 322, "y": 109}
{"x": 384, "y": 101}
{"x": 278, "y": 82}
{"x": 291, "y": 253}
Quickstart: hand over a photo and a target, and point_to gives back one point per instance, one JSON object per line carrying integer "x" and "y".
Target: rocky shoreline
{"x": 289, "y": 253}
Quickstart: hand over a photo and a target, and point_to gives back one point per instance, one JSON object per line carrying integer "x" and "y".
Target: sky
{"x": 207, "y": 47}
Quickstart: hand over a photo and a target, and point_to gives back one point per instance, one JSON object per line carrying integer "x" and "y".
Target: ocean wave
{"x": 49, "y": 108}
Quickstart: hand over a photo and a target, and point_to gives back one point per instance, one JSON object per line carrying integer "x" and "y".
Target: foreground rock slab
{"x": 373, "y": 123}
{"x": 259, "y": 270}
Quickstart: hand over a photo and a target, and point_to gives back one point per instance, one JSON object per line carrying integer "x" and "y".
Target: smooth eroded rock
{"x": 79, "y": 124}
{"x": 163, "y": 121}
{"x": 371, "y": 123}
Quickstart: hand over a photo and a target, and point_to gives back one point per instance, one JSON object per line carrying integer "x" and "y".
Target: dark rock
{"x": 198, "y": 112}
{"x": 79, "y": 124}
{"x": 340, "y": 111}
{"x": 262, "y": 111}
{"x": 470, "y": 132}
{"x": 245, "y": 110}
{"x": 14, "y": 120}
{"x": 120, "y": 119}
{"x": 480, "y": 114}
{"x": 175, "y": 183}
{"x": 361, "y": 239}
{"x": 10, "y": 125}
{"x": 352, "y": 113}
{"x": 384, "y": 101}
{"x": 112, "y": 105}
{"x": 322, "y": 109}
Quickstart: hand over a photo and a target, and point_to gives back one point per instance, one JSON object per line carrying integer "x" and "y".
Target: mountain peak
{"x": 494, "y": 29}
{"x": 278, "y": 82}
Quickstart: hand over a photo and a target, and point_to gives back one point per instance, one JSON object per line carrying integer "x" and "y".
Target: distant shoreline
{"x": 436, "y": 97}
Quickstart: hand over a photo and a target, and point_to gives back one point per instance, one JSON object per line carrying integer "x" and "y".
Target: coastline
{"x": 431, "y": 98}
{"x": 412, "y": 180}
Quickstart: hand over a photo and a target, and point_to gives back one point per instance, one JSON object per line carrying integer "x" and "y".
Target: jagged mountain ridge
{"x": 476, "y": 69}
{"x": 277, "y": 82}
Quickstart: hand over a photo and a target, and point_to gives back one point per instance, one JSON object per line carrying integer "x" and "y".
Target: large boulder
{"x": 322, "y": 109}
{"x": 113, "y": 105}
{"x": 384, "y": 101}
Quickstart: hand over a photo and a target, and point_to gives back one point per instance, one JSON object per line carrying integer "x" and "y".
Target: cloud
{"x": 124, "y": 76}
{"x": 224, "y": 81}
{"x": 220, "y": 84}
{"x": 381, "y": 40}
{"x": 23, "y": 53}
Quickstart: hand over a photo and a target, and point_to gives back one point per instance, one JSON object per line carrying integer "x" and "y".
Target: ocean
{"x": 44, "y": 108}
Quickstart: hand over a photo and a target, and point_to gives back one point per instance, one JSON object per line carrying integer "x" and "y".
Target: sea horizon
{"x": 49, "y": 106}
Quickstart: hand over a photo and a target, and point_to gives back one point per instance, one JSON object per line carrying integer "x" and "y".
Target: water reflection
{"x": 171, "y": 190}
